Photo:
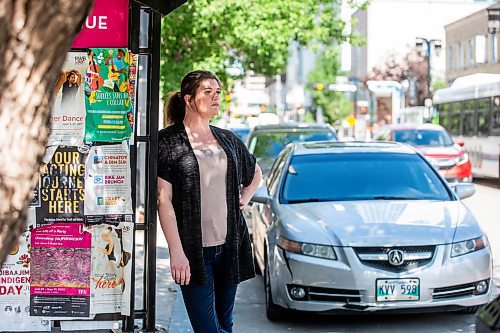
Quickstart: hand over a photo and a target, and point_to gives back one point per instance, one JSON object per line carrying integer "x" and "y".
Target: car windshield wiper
{"x": 307, "y": 200}
{"x": 393, "y": 197}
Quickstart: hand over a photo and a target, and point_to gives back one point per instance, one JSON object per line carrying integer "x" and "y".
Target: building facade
{"x": 469, "y": 47}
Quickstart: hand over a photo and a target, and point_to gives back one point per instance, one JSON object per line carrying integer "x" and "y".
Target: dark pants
{"x": 210, "y": 306}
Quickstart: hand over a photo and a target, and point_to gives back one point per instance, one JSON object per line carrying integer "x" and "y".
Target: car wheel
{"x": 273, "y": 312}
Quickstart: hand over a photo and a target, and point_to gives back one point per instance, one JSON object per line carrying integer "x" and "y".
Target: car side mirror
{"x": 460, "y": 143}
{"x": 464, "y": 190}
{"x": 261, "y": 196}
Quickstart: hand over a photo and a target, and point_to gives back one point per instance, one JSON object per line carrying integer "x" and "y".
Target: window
{"x": 493, "y": 48}
{"x": 273, "y": 179}
{"x": 470, "y": 53}
{"x": 495, "y": 117}
{"x": 460, "y": 55}
{"x": 429, "y": 138}
{"x": 454, "y": 117}
{"x": 481, "y": 52}
{"x": 450, "y": 59}
{"x": 468, "y": 118}
{"x": 361, "y": 176}
{"x": 483, "y": 117}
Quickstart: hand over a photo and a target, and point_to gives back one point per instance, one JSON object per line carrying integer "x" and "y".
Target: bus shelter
{"x": 75, "y": 266}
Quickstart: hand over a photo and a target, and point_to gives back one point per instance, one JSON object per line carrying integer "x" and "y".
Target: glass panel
{"x": 468, "y": 123}
{"x": 483, "y": 123}
{"x": 142, "y": 96}
{"x": 454, "y": 125}
{"x": 483, "y": 104}
{"x": 443, "y": 115}
{"x": 470, "y": 105}
{"x": 141, "y": 181}
{"x": 495, "y": 117}
{"x": 139, "y": 270}
{"x": 144, "y": 29}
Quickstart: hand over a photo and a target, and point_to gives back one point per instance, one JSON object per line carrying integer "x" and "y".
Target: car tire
{"x": 273, "y": 312}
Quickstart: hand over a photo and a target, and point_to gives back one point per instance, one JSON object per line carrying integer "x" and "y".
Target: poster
{"x": 107, "y": 99}
{"x": 132, "y": 91}
{"x": 60, "y": 271}
{"x": 111, "y": 273}
{"x": 62, "y": 188}
{"x": 15, "y": 288}
{"x": 67, "y": 120}
{"x": 107, "y": 181}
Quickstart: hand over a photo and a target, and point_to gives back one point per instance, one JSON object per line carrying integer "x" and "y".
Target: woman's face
{"x": 206, "y": 101}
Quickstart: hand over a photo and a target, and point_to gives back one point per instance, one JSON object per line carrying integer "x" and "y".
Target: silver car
{"x": 358, "y": 226}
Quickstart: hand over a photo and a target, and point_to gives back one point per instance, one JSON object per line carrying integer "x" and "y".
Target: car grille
{"x": 454, "y": 291}
{"x": 443, "y": 163}
{"x": 377, "y": 257}
{"x": 319, "y": 294}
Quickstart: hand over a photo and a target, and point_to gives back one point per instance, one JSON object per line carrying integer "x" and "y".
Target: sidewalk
{"x": 170, "y": 311}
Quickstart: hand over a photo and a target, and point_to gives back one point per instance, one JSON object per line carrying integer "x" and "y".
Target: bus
{"x": 470, "y": 111}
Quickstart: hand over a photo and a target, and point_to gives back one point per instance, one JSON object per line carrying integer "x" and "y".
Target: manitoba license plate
{"x": 398, "y": 290}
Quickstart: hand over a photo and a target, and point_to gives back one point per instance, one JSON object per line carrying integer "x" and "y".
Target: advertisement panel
{"x": 67, "y": 121}
{"x": 62, "y": 187}
{"x": 107, "y": 98}
{"x": 106, "y": 25}
{"x": 60, "y": 274}
{"x": 15, "y": 288}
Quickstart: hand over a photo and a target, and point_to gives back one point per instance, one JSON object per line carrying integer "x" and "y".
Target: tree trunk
{"x": 34, "y": 38}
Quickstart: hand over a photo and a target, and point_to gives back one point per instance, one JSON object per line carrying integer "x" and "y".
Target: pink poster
{"x": 106, "y": 26}
{"x": 60, "y": 274}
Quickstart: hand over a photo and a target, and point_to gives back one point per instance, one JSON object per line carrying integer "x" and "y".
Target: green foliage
{"x": 334, "y": 104}
{"x": 248, "y": 35}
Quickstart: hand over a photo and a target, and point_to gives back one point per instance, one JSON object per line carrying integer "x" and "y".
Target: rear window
{"x": 267, "y": 145}
{"x": 361, "y": 176}
{"x": 430, "y": 138}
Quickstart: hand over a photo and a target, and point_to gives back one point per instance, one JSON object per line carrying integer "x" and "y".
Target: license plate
{"x": 398, "y": 290}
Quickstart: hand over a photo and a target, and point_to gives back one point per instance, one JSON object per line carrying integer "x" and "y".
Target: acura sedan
{"x": 363, "y": 227}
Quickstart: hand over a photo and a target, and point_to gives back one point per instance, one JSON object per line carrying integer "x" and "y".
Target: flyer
{"x": 107, "y": 98}
{"x": 67, "y": 121}
{"x": 62, "y": 189}
{"x": 132, "y": 91}
{"x": 111, "y": 273}
{"x": 107, "y": 181}
{"x": 60, "y": 271}
{"x": 15, "y": 288}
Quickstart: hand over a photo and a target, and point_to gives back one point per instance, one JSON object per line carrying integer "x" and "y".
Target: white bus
{"x": 470, "y": 111}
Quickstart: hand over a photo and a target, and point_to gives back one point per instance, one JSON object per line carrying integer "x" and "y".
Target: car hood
{"x": 378, "y": 223}
{"x": 450, "y": 151}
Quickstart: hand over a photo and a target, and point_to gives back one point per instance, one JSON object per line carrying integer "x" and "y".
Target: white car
{"x": 358, "y": 226}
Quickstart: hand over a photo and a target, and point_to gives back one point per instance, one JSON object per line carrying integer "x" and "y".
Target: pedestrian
{"x": 206, "y": 177}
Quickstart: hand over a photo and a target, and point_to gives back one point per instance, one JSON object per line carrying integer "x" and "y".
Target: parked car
{"x": 242, "y": 131}
{"x": 366, "y": 226}
{"x": 437, "y": 145}
{"x": 265, "y": 142}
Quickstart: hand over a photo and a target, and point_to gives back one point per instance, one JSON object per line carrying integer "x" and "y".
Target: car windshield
{"x": 361, "y": 176}
{"x": 430, "y": 138}
{"x": 266, "y": 145}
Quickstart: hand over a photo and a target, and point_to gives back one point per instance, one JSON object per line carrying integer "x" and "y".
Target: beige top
{"x": 212, "y": 162}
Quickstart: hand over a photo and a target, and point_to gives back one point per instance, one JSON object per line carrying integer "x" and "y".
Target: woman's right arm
{"x": 179, "y": 264}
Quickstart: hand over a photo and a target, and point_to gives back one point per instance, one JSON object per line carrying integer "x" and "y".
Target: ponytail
{"x": 175, "y": 109}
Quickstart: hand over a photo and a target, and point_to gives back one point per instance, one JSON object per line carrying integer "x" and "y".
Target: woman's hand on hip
{"x": 179, "y": 267}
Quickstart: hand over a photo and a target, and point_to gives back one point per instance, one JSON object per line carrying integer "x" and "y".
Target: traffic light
{"x": 319, "y": 86}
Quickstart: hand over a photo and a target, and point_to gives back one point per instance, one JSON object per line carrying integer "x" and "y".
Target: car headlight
{"x": 308, "y": 249}
{"x": 462, "y": 159}
{"x": 468, "y": 246}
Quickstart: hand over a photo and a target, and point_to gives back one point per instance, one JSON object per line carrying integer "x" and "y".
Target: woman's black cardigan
{"x": 178, "y": 165}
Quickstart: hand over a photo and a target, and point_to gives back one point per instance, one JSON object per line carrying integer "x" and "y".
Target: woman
{"x": 206, "y": 177}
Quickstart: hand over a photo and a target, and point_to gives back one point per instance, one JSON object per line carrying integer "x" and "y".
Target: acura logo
{"x": 396, "y": 257}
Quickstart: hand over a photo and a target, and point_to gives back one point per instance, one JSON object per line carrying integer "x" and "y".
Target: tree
{"x": 34, "y": 38}
{"x": 244, "y": 35}
{"x": 334, "y": 104}
{"x": 411, "y": 66}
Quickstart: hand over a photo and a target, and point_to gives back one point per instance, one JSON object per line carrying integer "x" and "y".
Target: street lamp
{"x": 493, "y": 20}
{"x": 429, "y": 43}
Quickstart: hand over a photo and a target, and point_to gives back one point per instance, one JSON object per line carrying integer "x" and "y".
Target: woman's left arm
{"x": 248, "y": 192}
